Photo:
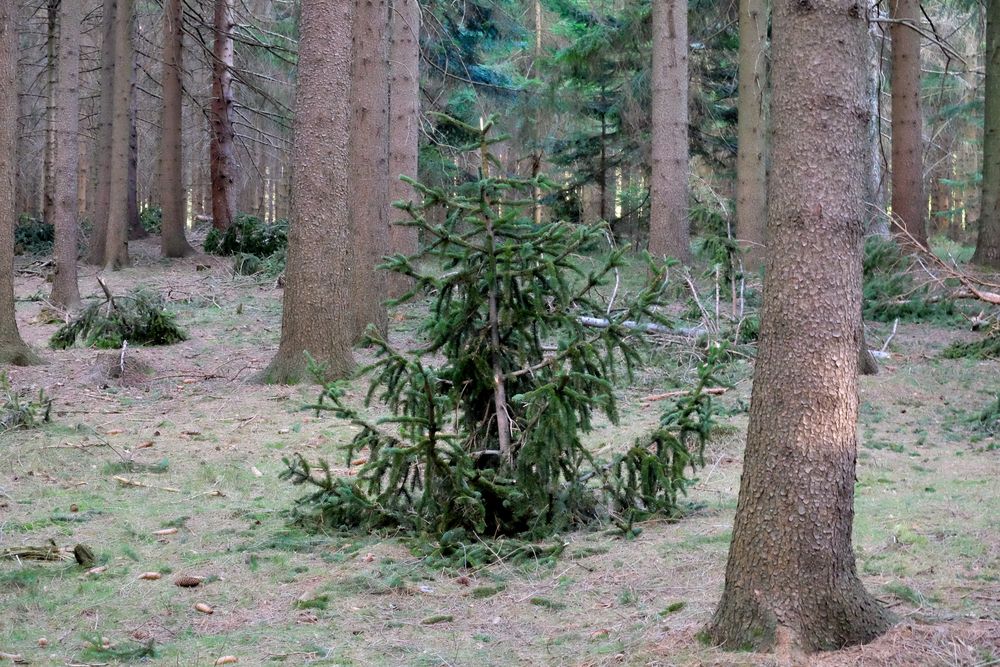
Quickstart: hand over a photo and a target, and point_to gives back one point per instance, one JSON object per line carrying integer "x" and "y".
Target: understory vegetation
{"x": 139, "y": 318}
{"x": 512, "y": 324}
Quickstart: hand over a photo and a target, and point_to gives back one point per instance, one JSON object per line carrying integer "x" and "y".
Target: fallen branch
{"x": 649, "y": 327}
{"x": 124, "y": 481}
{"x": 712, "y": 391}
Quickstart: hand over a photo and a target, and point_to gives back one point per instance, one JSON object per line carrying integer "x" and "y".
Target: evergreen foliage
{"x": 988, "y": 420}
{"x": 891, "y": 293}
{"x": 151, "y": 219}
{"x": 248, "y": 235}
{"x": 19, "y": 411}
{"x": 139, "y": 319}
{"x": 33, "y": 236}
{"x": 487, "y": 415}
{"x": 987, "y": 347}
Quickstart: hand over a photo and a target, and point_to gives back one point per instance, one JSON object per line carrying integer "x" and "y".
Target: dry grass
{"x": 926, "y": 530}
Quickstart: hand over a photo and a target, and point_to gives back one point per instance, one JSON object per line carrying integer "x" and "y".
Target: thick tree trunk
{"x": 751, "y": 161}
{"x": 172, "y": 240}
{"x": 116, "y": 238}
{"x": 223, "y": 150}
{"x": 12, "y": 348}
{"x": 105, "y": 122}
{"x": 668, "y": 213}
{"x": 791, "y": 580}
{"x": 404, "y": 130}
{"x": 65, "y": 290}
{"x": 369, "y": 155}
{"x": 909, "y": 204}
{"x": 988, "y": 242}
{"x": 317, "y": 316}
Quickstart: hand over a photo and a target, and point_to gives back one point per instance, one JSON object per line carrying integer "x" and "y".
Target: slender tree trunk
{"x": 791, "y": 581}
{"x": 51, "y": 67}
{"x": 538, "y": 152}
{"x": 102, "y": 165}
{"x": 369, "y": 151}
{"x": 668, "y": 216}
{"x": 223, "y": 150}
{"x": 404, "y": 130}
{"x": 988, "y": 242}
{"x": 116, "y": 239}
{"x": 65, "y": 290}
{"x": 875, "y": 190}
{"x": 135, "y": 228}
{"x": 317, "y": 316}
{"x": 751, "y": 161}
{"x": 908, "y": 201}
{"x": 12, "y": 347}
{"x": 172, "y": 240}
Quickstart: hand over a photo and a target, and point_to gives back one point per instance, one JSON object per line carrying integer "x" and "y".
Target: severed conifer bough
{"x": 487, "y": 415}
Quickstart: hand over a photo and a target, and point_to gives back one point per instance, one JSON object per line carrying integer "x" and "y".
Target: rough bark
{"x": 875, "y": 186}
{"x": 317, "y": 317}
{"x": 751, "y": 163}
{"x": 172, "y": 240}
{"x": 791, "y": 580}
{"x": 12, "y": 348}
{"x": 988, "y": 242}
{"x": 223, "y": 148}
{"x": 102, "y": 164}
{"x": 909, "y": 204}
{"x": 369, "y": 156}
{"x": 668, "y": 214}
{"x": 135, "y": 228}
{"x": 116, "y": 236}
{"x": 404, "y": 129}
{"x": 52, "y": 74}
{"x": 65, "y": 290}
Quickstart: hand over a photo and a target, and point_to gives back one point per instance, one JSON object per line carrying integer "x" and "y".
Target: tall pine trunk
{"x": 65, "y": 290}
{"x": 12, "y": 347}
{"x": 404, "y": 130}
{"x": 909, "y": 204}
{"x": 52, "y": 77}
{"x": 988, "y": 242}
{"x": 668, "y": 213}
{"x": 751, "y": 161}
{"x": 223, "y": 149}
{"x": 172, "y": 240}
{"x": 791, "y": 581}
{"x": 317, "y": 316}
{"x": 105, "y": 121}
{"x": 369, "y": 156}
{"x": 116, "y": 238}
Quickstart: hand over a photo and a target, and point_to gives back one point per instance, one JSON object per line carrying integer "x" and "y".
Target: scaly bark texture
{"x": 908, "y": 200}
{"x": 116, "y": 237}
{"x": 12, "y": 348}
{"x": 105, "y": 122}
{"x": 369, "y": 155}
{"x": 172, "y": 240}
{"x": 223, "y": 148}
{"x": 65, "y": 290}
{"x": 404, "y": 130}
{"x": 52, "y": 74}
{"x": 668, "y": 214}
{"x": 751, "y": 161}
{"x": 791, "y": 581}
{"x": 988, "y": 243}
{"x": 317, "y": 317}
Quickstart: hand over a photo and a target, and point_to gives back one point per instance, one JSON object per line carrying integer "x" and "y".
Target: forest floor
{"x": 207, "y": 446}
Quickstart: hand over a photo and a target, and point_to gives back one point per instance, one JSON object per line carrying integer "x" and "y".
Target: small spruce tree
{"x": 488, "y": 412}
